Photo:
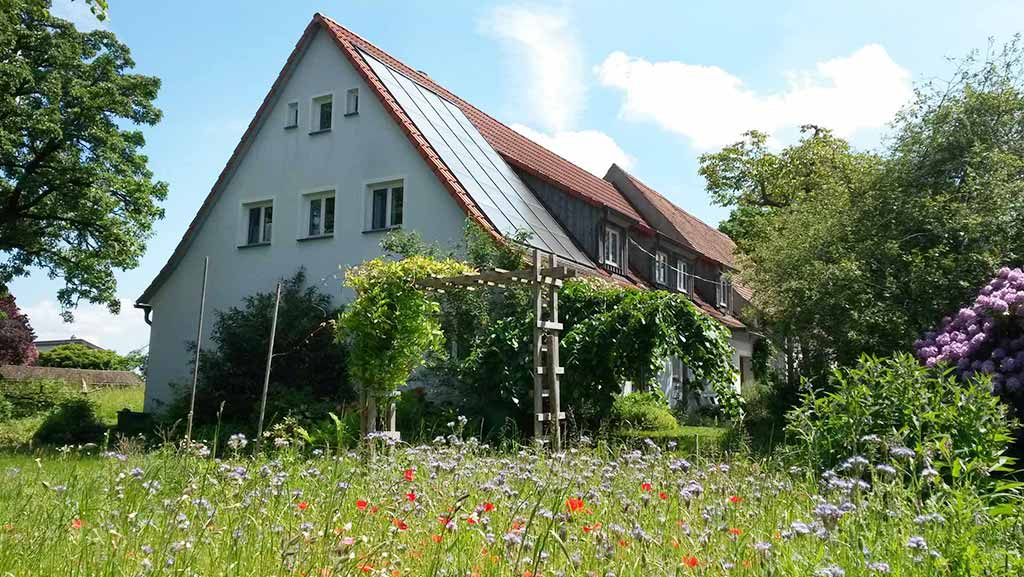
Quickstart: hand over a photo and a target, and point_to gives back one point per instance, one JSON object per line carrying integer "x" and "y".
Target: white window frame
{"x": 683, "y": 276}
{"x": 389, "y": 184}
{"x": 352, "y": 102}
{"x": 291, "y": 114}
{"x": 661, "y": 268}
{"x": 305, "y": 208}
{"x": 724, "y": 291}
{"x": 314, "y": 112}
{"x": 248, "y": 205}
{"x": 611, "y": 257}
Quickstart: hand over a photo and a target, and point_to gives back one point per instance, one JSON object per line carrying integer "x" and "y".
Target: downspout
{"x": 147, "y": 310}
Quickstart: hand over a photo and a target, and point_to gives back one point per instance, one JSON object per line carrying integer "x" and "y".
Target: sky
{"x": 648, "y": 85}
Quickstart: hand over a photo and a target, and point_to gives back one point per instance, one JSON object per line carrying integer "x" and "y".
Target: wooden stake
{"x": 266, "y": 373}
{"x": 199, "y": 345}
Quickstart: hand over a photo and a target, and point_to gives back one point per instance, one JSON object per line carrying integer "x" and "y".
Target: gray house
{"x": 350, "y": 143}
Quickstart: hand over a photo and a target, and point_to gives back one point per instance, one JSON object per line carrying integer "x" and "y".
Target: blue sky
{"x": 651, "y": 86}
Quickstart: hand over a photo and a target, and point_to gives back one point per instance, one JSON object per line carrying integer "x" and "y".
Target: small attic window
{"x": 352, "y": 102}
{"x": 321, "y": 113}
{"x": 291, "y": 119}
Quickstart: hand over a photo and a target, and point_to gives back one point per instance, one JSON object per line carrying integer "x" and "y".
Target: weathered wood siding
{"x": 583, "y": 221}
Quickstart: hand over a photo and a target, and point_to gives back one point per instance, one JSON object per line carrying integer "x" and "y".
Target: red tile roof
{"x": 706, "y": 240}
{"x": 519, "y": 151}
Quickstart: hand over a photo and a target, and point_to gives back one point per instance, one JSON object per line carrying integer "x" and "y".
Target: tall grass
{"x": 458, "y": 509}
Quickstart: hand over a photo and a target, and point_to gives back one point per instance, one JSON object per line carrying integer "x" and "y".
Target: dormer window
{"x": 661, "y": 268}
{"x": 724, "y": 292}
{"x": 612, "y": 247}
{"x": 683, "y": 277}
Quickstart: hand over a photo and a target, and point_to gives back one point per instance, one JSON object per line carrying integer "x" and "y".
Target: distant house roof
{"x": 680, "y": 225}
{"x": 52, "y": 343}
{"x": 70, "y": 376}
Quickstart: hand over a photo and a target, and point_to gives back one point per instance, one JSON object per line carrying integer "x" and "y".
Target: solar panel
{"x": 499, "y": 192}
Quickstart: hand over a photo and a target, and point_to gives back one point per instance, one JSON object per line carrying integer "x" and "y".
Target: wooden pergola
{"x": 545, "y": 283}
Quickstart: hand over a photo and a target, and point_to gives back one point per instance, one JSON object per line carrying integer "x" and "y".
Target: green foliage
{"x": 79, "y": 200}
{"x": 957, "y": 425}
{"x": 643, "y": 412}
{"x": 17, "y": 339}
{"x": 6, "y": 408}
{"x": 308, "y": 374}
{"x": 28, "y": 398}
{"x": 392, "y": 324}
{"x": 76, "y": 356}
{"x": 850, "y": 252}
{"x": 73, "y": 422}
{"x": 615, "y": 335}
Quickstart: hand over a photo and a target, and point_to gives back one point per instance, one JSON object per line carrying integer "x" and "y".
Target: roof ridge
{"x": 675, "y": 206}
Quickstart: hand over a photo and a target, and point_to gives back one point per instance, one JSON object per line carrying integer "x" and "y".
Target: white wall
{"x": 282, "y": 164}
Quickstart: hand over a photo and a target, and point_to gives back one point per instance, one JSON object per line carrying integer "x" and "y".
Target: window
{"x": 291, "y": 119}
{"x": 724, "y": 292}
{"x": 661, "y": 268}
{"x": 260, "y": 218}
{"x": 322, "y": 113}
{"x": 319, "y": 214}
{"x": 683, "y": 278}
{"x": 386, "y": 205}
{"x": 612, "y": 246}
{"x": 352, "y": 102}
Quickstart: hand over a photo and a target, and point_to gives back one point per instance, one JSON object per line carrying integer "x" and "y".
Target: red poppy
{"x": 366, "y": 567}
{"x": 488, "y": 507}
{"x": 471, "y": 520}
{"x": 374, "y": 509}
{"x": 76, "y": 524}
{"x": 400, "y": 524}
{"x": 574, "y": 504}
{"x": 411, "y": 496}
{"x": 663, "y": 495}
{"x": 303, "y": 506}
{"x": 409, "y": 474}
{"x": 436, "y": 538}
{"x": 690, "y": 561}
{"x": 444, "y": 520}
{"x": 735, "y": 531}
{"x": 735, "y": 499}
{"x": 623, "y": 543}
{"x": 361, "y": 505}
{"x": 646, "y": 487}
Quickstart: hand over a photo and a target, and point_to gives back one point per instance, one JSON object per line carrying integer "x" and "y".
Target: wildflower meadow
{"x": 460, "y": 508}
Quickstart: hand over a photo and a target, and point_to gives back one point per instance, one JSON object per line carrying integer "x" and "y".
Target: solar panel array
{"x": 499, "y": 192}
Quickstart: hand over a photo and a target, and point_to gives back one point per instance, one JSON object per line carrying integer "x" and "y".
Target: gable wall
{"x": 283, "y": 164}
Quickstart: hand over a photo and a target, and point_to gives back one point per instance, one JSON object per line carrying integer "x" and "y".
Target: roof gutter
{"x": 147, "y": 309}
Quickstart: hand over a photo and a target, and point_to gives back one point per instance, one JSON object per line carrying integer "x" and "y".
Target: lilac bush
{"x": 986, "y": 337}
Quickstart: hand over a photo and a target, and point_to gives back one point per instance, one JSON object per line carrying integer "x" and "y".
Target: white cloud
{"x": 713, "y": 107}
{"x": 94, "y": 323}
{"x": 545, "y": 59}
{"x": 591, "y": 150}
{"x": 78, "y": 13}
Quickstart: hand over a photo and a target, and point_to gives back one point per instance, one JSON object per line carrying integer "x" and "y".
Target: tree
{"x": 850, "y": 252}
{"x": 76, "y": 196}
{"x": 76, "y": 356}
{"x": 17, "y": 339}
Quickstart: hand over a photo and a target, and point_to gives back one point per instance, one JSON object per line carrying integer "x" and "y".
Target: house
{"x": 49, "y": 345}
{"x": 350, "y": 143}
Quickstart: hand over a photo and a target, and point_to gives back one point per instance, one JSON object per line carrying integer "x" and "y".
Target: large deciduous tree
{"x": 851, "y": 252}
{"x": 76, "y": 196}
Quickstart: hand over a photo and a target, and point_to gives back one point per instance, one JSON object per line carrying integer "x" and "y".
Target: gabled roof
{"x": 71, "y": 341}
{"x": 682, "y": 226}
{"x": 517, "y": 149}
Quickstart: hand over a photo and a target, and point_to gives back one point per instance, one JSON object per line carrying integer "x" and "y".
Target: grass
{"x": 108, "y": 401}
{"x": 457, "y": 509}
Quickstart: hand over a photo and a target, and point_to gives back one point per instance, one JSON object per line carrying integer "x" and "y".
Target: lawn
{"x": 458, "y": 509}
{"x": 107, "y": 400}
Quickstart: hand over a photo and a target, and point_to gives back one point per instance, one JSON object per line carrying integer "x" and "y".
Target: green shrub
{"x": 76, "y": 356}
{"x": 73, "y": 422}
{"x": 957, "y": 424}
{"x": 642, "y": 412}
{"x": 28, "y": 398}
{"x": 6, "y": 408}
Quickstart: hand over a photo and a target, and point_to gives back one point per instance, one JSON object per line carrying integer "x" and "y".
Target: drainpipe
{"x": 147, "y": 310}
